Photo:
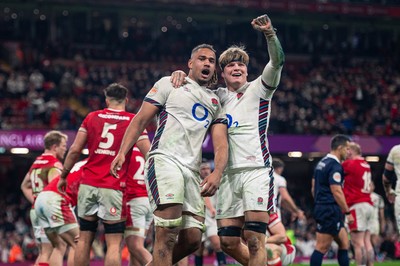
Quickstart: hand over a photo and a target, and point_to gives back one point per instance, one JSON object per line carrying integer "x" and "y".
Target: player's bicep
{"x": 80, "y": 141}
{"x": 219, "y": 135}
{"x": 145, "y": 114}
{"x": 271, "y": 76}
{"x": 26, "y": 183}
{"x": 335, "y": 188}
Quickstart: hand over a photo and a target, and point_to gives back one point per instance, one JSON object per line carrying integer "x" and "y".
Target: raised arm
{"x": 272, "y": 72}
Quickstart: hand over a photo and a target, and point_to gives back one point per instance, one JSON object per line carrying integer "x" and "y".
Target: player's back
{"x": 135, "y": 183}
{"x": 39, "y": 171}
{"x": 328, "y": 171}
{"x": 357, "y": 185}
{"x": 73, "y": 181}
{"x": 105, "y": 130}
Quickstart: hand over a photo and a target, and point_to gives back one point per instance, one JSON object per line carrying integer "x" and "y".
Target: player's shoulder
{"x": 164, "y": 82}
{"x": 395, "y": 150}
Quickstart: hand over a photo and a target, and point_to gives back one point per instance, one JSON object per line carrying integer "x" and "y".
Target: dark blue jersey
{"x": 328, "y": 172}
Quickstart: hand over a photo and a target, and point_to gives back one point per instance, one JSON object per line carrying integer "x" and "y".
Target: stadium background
{"x": 341, "y": 74}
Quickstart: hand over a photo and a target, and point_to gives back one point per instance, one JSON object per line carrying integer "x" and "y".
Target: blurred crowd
{"x": 357, "y": 97}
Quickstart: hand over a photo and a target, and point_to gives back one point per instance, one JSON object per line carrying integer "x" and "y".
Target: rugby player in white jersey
{"x": 390, "y": 176}
{"x": 175, "y": 188}
{"x": 246, "y": 190}
{"x": 282, "y": 194}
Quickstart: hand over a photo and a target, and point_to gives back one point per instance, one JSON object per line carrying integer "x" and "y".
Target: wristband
{"x": 347, "y": 213}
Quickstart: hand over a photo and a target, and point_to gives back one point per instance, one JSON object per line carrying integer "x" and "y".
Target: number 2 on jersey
{"x": 139, "y": 174}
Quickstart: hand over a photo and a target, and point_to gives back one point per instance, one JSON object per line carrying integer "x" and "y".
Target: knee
{"x": 253, "y": 243}
{"x": 229, "y": 237}
{"x": 229, "y": 244}
{"x": 169, "y": 237}
{"x": 193, "y": 245}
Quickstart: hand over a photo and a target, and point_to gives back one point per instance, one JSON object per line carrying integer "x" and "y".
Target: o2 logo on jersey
{"x": 231, "y": 122}
{"x": 200, "y": 113}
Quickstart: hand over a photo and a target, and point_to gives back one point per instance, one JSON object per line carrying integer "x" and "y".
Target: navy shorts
{"x": 329, "y": 218}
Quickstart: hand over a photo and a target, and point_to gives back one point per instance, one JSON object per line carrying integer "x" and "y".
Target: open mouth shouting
{"x": 205, "y": 73}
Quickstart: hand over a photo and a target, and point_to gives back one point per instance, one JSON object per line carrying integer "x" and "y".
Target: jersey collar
{"x": 333, "y": 157}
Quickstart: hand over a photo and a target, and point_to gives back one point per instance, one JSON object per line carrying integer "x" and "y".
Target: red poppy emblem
{"x": 239, "y": 95}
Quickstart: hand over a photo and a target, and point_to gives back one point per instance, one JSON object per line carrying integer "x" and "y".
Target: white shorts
{"x": 397, "y": 211}
{"x": 245, "y": 190}
{"x": 288, "y": 254}
{"x": 139, "y": 217}
{"x": 374, "y": 227}
{"x": 38, "y": 230}
{"x": 211, "y": 227}
{"x": 106, "y": 203}
{"x": 53, "y": 211}
{"x": 363, "y": 213}
{"x": 168, "y": 181}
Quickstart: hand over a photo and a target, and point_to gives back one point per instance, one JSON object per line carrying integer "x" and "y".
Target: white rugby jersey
{"x": 248, "y": 113}
{"x": 279, "y": 181}
{"x": 186, "y": 114}
{"x": 394, "y": 159}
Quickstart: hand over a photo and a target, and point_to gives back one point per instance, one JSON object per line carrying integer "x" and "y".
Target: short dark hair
{"x": 201, "y": 46}
{"x": 338, "y": 140}
{"x": 116, "y": 91}
{"x": 277, "y": 163}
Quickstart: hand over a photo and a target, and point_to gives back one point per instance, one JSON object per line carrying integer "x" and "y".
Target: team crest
{"x": 113, "y": 211}
{"x": 260, "y": 201}
{"x": 239, "y": 95}
{"x": 214, "y": 101}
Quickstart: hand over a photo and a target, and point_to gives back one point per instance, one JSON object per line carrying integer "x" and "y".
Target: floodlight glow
{"x": 372, "y": 159}
{"x": 295, "y": 154}
{"x": 19, "y": 150}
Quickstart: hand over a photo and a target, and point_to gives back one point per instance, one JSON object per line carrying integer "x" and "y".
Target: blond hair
{"x": 233, "y": 54}
{"x": 355, "y": 147}
{"x": 53, "y": 137}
